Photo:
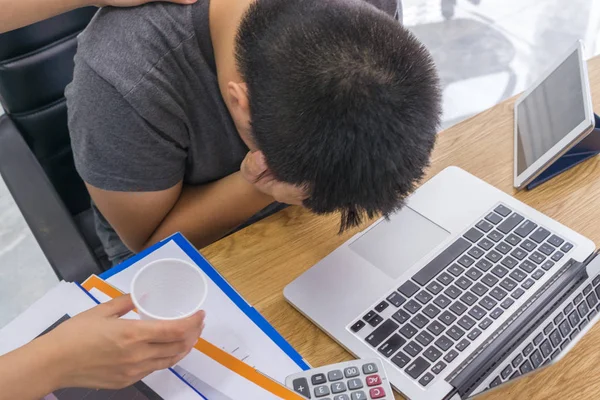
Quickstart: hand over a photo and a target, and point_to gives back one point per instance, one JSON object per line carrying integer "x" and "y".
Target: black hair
{"x": 343, "y": 100}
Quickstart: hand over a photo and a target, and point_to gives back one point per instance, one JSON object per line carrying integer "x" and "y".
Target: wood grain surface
{"x": 263, "y": 258}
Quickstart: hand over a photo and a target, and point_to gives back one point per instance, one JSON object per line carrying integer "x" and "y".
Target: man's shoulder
{"x": 121, "y": 45}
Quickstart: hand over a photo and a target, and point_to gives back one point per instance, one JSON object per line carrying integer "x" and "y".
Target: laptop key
{"x": 447, "y": 318}
{"x": 376, "y": 320}
{"x": 401, "y": 316}
{"x": 392, "y": 345}
{"x": 528, "y": 350}
{"x": 444, "y": 343}
{"x": 431, "y": 311}
{"x": 497, "y": 313}
{"x": 546, "y": 348}
{"x": 485, "y": 244}
{"x": 456, "y": 269}
{"x": 412, "y": 349}
{"x": 508, "y": 284}
{"x": 488, "y": 303}
{"x": 493, "y": 218}
{"x": 528, "y": 283}
{"x": 466, "y": 261}
{"x": 557, "y": 256}
{"x": 469, "y": 298}
{"x": 396, "y": 299}
{"x": 555, "y": 354}
{"x": 546, "y": 249}
{"x": 458, "y": 308}
{"x": 436, "y": 328}
{"x": 442, "y": 301}
{"x": 474, "y": 334}
{"x": 466, "y": 322}
{"x": 503, "y": 210}
{"x": 527, "y": 266}
{"x": 495, "y": 382}
{"x": 463, "y": 282}
{"x": 518, "y": 293}
{"x": 518, "y": 275}
{"x": 452, "y": 354}
{"x": 506, "y": 372}
{"x": 566, "y": 247}
{"x": 357, "y": 326}
{"x": 574, "y": 319}
{"x": 537, "y": 274}
{"x": 417, "y": 367}
{"x": 424, "y": 381}
{"x": 419, "y": 321}
{"x": 412, "y": 306}
{"x": 499, "y": 271}
{"x": 453, "y": 292}
{"x": 510, "y": 223}
{"x": 489, "y": 280}
{"x": 424, "y": 338}
{"x": 424, "y": 297}
{"x": 517, "y": 361}
{"x": 592, "y": 300}
{"x": 473, "y": 235}
{"x": 400, "y": 359}
{"x": 484, "y": 226}
{"x": 503, "y": 248}
{"x": 439, "y": 367}
{"x": 479, "y": 289}
{"x": 445, "y": 278}
{"x": 474, "y": 273}
{"x": 477, "y": 312}
{"x": 528, "y": 245}
{"x": 408, "y": 288}
{"x": 538, "y": 339}
{"x": 485, "y": 324}
{"x": 587, "y": 290}
{"x": 435, "y": 287}
{"x": 519, "y": 253}
{"x": 381, "y": 306}
{"x": 498, "y": 293}
{"x": 539, "y": 235}
{"x": 476, "y": 252}
{"x": 463, "y": 344}
{"x": 537, "y": 257}
{"x": 547, "y": 265}
{"x": 536, "y": 359}
{"x": 495, "y": 236}
{"x": 513, "y": 239}
{"x": 559, "y": 317}
{"x": 432, "y": 354}
{"x": 525, "y": 228}
{"x": 565, "y": 329}
{"x": 507, "y": 303}
{"x": 484, "y": 265}
{"x": 526, "y": 367}
{"x": 583, "y": 309}
{"x": 381, "y": 333}
{"x": 455, "y": 332}
{"x": 509, "y": 262}
{"x": 555, "y": 240}
{"x": 443, "y": 260}
{"x": 408, "y": 331}
{"x": 493, "y": 256}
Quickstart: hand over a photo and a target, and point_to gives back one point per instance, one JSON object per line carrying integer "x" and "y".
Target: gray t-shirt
{"x": 145, "y": 109}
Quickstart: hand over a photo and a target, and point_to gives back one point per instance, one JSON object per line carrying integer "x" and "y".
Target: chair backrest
{"x": 36, "y": 64}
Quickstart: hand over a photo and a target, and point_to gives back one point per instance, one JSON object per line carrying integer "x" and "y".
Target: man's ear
{"x": 239, "y": 108}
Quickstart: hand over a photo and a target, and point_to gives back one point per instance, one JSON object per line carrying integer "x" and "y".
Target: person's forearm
{"x": 30, "y": 372}
{"x": 206, "y": 213}
{"x": 18, "y": 13}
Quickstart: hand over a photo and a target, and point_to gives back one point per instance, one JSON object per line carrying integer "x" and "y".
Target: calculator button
{"x": 335, "y": 375}
{"x": 351, "y": 372}
{"x": 354, "y": 384}
{"x": 377, "y": 393}
{"x": 341, "y": 397}
{"x": 318, "y": 379}
{"x": 360, "y": 395}
{"x": 301, "y": 386}
{"x": 370, "y": 368}
{"x": 338, "y": 387}
{"x": 373, "y": 380}
{"x": 321, "y": 391}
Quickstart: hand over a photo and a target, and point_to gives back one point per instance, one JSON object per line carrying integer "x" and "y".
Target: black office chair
{"x": 36, "y": 162}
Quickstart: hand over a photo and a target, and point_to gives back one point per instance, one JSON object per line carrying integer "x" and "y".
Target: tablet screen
{"x": 550, "y": 112}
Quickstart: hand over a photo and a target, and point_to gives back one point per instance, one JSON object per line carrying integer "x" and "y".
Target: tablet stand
{"x": 587, "y": 148}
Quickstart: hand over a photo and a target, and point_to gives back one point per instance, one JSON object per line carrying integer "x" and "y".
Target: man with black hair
{"x": 200, "y": 119}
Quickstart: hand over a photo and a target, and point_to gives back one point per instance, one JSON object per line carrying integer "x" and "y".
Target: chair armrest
{"x": 42, "y": 208}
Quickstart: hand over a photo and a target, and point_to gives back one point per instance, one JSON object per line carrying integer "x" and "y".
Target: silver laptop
{"x": 465, "y": 288}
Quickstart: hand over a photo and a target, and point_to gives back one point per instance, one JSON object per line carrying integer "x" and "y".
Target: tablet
{"x": 552, "y": 116}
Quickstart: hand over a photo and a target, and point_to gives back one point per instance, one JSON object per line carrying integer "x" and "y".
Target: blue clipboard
{"x": 587, "y": 148}
{"x": 208, "y": 269}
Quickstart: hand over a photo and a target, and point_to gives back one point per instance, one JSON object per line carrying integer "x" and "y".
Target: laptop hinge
{"x": 469, "y": 375}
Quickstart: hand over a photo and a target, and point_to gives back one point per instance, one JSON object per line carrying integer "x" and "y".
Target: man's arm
{"x": 19, "y": 13}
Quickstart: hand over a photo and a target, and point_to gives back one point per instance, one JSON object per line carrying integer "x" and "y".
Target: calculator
{"x": 352, "y": 380}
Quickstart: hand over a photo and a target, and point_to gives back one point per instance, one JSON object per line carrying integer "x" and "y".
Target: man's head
{"x": 340, "y": 98}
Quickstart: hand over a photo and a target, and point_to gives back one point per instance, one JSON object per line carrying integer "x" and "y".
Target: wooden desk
{"x": 262, "y": 259}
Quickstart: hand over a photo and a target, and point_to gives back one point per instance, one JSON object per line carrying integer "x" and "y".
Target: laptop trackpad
{"x": 394, "y": 246}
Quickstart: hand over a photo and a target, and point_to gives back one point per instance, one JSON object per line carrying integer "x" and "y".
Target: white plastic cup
{"x": 168, "y": 289}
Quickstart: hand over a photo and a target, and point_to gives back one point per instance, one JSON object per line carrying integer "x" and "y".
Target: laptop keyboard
{"x": 554, "y": 335}
{"x": 458, "y": 295}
